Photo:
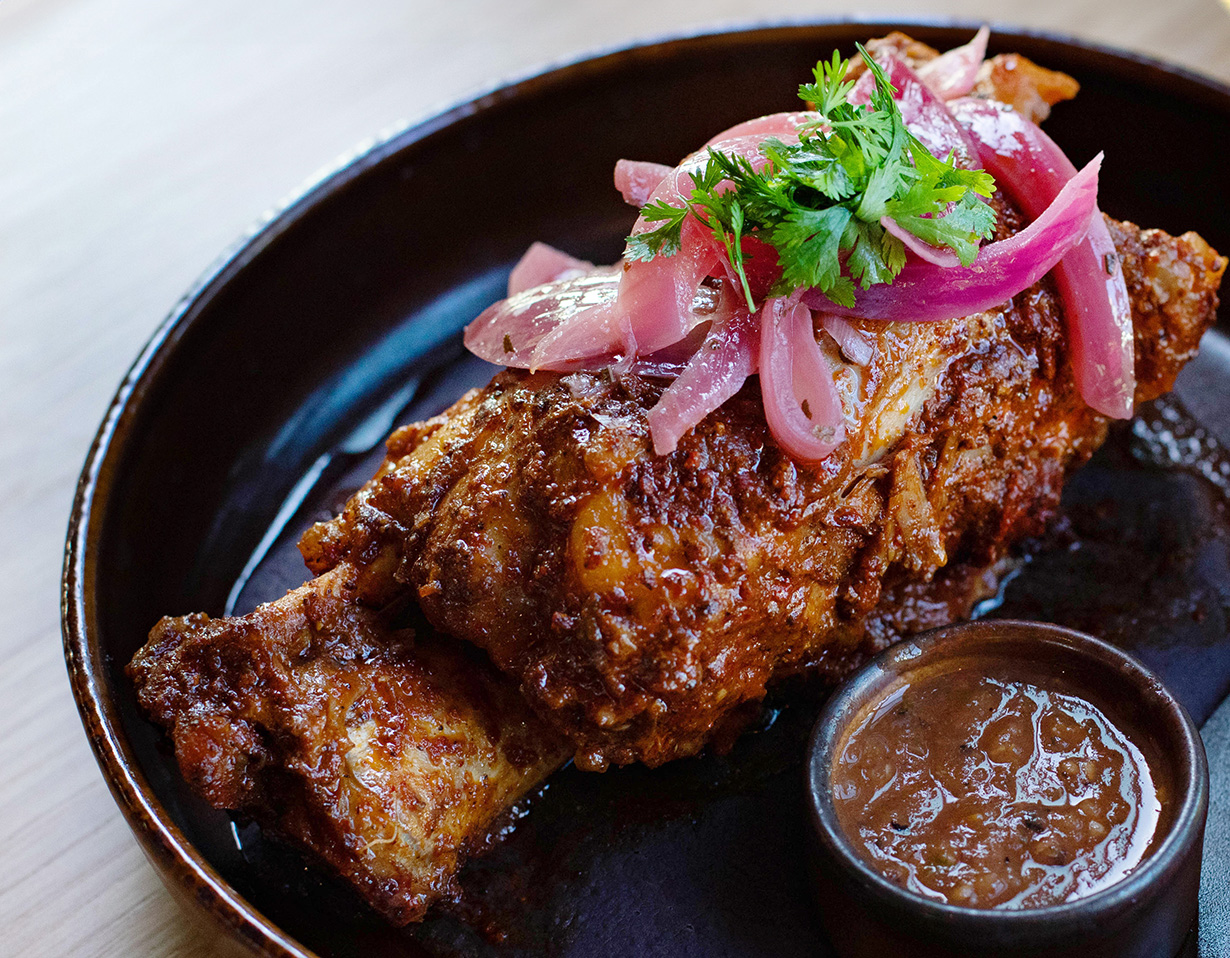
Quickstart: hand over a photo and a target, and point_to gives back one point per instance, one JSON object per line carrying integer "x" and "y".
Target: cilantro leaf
{"x": 866, "y": 263}
{"x": 666, "y": 240}
{"x": 809, "y": 244}
{"x": 818, "y": 202}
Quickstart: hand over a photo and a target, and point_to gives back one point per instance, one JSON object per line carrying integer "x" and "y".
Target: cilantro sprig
{"x": 818, "y": 202}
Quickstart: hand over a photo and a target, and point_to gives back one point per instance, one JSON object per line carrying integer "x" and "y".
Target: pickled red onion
{"x": 637, "y": 179}
{"x": 512, "y": 331}
{"x": 1031, "y": 168}
{"x": 644, "y": 318}
{"x": 801, "y": 404}
{"x": 716, "y": 371}
{"x": 670, "y": 361}
{"x": 600, "y": 332}
{"x": 954, "y": 73}
{"x": 657, "y": 295}
{"x": 784, "y": 126}
{"x": 854, "y": 344}
{"x": 925, "y": 292}
{"x": 544, "y": 264}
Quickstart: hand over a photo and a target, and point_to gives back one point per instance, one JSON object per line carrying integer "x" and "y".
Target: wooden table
{"x": 138, "y": 138}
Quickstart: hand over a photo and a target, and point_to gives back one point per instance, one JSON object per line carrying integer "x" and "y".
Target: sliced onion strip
{"x": 924, "y": 292}
{"x": 854, "y": 344}
{"x": 544, "y": 264}
{"x": 716, "y": 371}
{"x": 801, "y": 403}
{"x": 512, "y": 331}
{"x": 1029, "y": 166}
{"x": 784, "y": 126}
{"x": 657, "y": 295}
{"x": 954, "y": 73}
{"x": 669, "y": 362}
{"x": 637, "y": 179}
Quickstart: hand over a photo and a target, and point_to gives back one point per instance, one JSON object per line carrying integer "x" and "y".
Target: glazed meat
{"x": 387, "y": 757}
{"x": 620, "y": 606}
{"x": 644, "y": 603}
{"x": 531, "y": 519}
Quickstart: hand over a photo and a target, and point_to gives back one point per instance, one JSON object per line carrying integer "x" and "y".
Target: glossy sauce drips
{"x": 982, "y": 788}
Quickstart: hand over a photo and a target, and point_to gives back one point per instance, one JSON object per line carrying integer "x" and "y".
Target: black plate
{"x": 263, "y": 399}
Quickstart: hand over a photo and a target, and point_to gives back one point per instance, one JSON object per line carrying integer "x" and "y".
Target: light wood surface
{"x": 138, "y": 139}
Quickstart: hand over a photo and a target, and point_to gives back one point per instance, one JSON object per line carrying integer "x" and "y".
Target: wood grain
{"x": 138, "y": 139}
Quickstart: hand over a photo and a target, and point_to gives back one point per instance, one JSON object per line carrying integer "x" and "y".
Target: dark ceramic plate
{"x": 263, "y": 399}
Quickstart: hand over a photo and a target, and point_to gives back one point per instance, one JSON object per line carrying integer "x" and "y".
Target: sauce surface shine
{"x": 982, "y": 789}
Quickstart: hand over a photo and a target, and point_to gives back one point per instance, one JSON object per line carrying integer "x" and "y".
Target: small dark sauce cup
{"x": 1147, "y": 914}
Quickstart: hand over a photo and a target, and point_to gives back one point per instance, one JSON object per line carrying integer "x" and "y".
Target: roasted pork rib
{"x": 387, "y": 756}
{"x": 635, "y": 606}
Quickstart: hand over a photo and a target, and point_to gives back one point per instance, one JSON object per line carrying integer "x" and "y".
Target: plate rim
{"x": 176, "y": 860}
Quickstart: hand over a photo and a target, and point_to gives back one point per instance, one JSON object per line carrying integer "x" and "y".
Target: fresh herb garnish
{"x": 818, "y": 202}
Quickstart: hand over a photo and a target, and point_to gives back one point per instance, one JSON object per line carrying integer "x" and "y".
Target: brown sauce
{"x": 981, "y": 788}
